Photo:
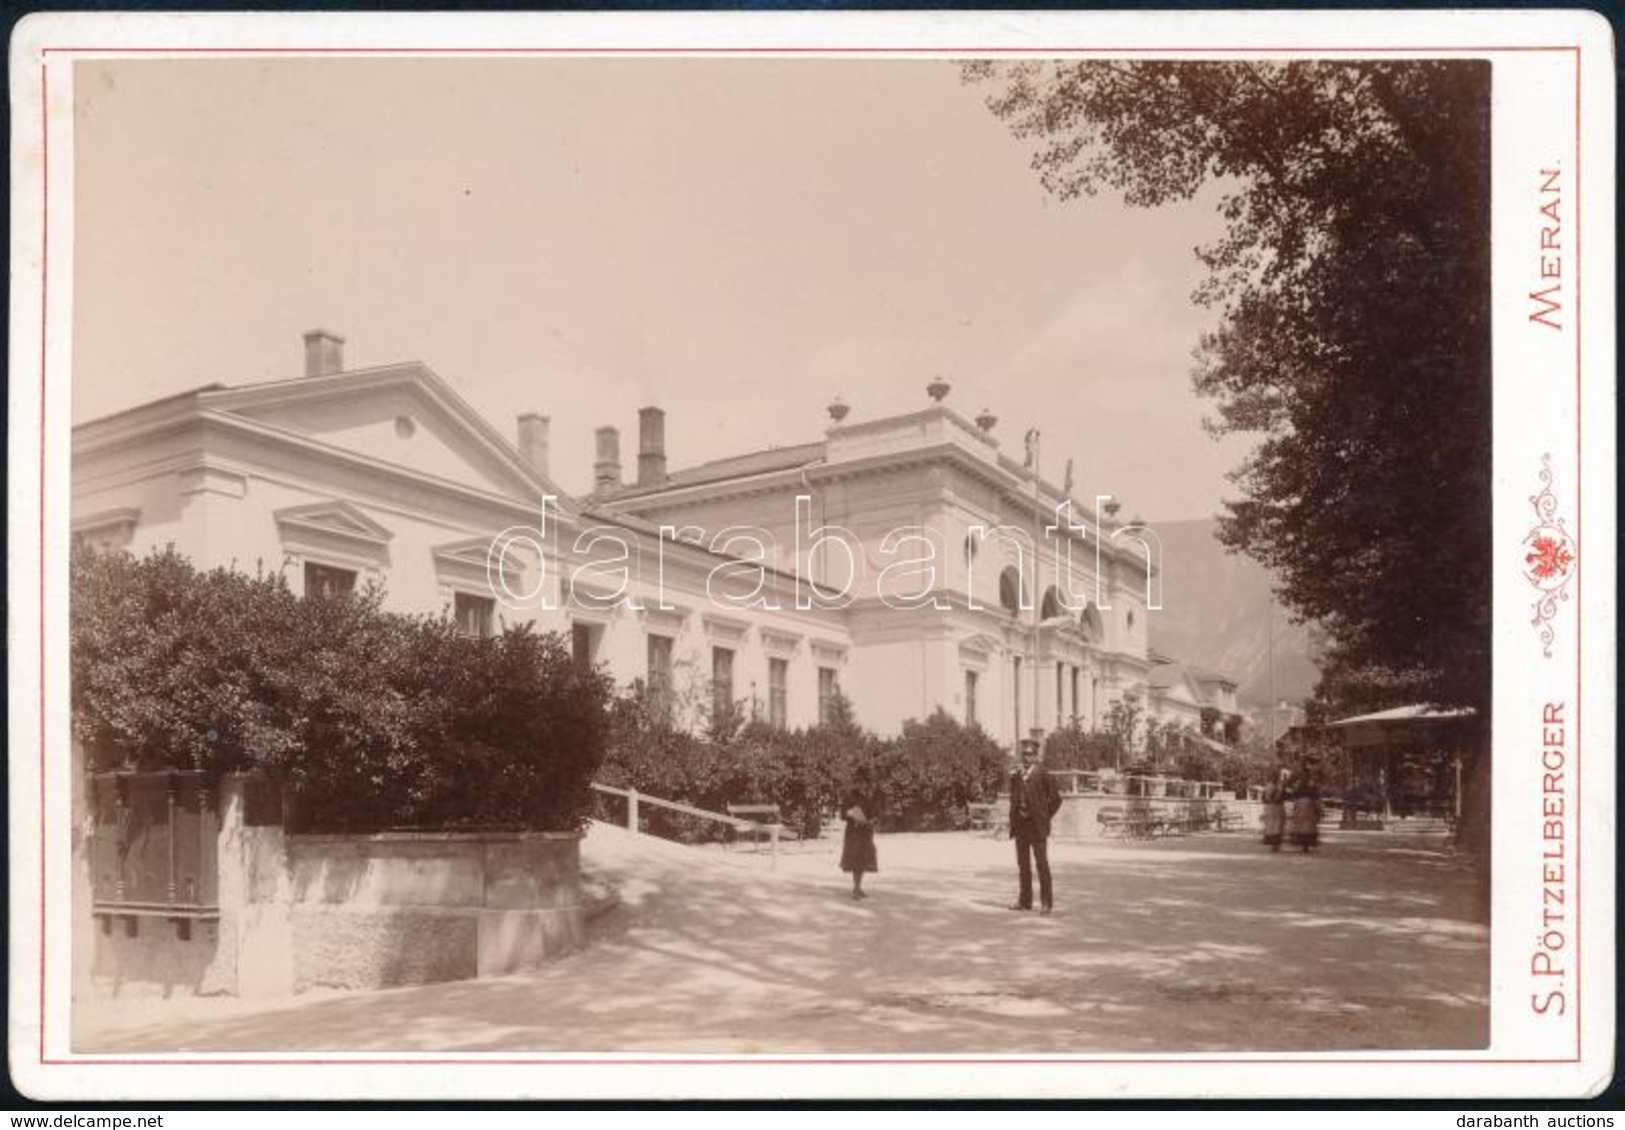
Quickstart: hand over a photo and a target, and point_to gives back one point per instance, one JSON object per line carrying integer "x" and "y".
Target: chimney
{"x": 533, "y": 432}
{"x": 606, "y": 469}
{"x": 324, "y": 353}
{"x": 651, "y": 446}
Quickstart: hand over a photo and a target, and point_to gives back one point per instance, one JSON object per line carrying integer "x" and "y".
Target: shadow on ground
{"x": 1206, "y": 943}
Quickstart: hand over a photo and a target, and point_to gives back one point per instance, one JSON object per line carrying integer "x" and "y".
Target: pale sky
{"x": 736, "y": 241}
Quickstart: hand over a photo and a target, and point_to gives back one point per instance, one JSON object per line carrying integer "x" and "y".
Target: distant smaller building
{"x": 1270, "y": 723}
{"x": 1183, "y": 694}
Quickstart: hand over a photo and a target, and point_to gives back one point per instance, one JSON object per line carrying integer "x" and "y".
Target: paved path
{"x": 1206, "y": 943}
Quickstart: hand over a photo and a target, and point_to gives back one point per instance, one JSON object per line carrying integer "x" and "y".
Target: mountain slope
{"x": 1216, "y": 612}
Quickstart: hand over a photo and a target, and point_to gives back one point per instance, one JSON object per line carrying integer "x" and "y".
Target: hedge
{"x": 922, "y": 780}
{"x": 369, "y": 719}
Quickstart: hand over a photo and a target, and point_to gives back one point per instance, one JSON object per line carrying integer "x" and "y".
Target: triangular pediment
{"x": 490, "y": 561}
{"x": 402, "y": 415}
{"x": 336, "y": 519}
{"x": 470, "y": 551}
{"x": 980, "y": 642}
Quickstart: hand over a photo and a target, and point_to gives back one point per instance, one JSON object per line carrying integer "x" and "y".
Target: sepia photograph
{"x": 745, "y": 556}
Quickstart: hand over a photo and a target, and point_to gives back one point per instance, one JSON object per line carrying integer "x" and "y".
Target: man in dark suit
{"x": 1034, "y": 801}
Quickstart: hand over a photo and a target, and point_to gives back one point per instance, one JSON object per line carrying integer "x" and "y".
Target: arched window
{"x": 1089, "y": 623}
{"x": 1010, "y": 590}
{"x": 1051, "y": 605}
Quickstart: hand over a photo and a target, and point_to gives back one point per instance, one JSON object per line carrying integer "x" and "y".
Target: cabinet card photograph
{"x": 1036, "y": 555}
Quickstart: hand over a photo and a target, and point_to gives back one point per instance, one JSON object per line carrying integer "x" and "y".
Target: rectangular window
{"x": 722, "y": 681}
{"x": 1075, "y": 696}
{"x": 778, "y": 701}
{"x": 473, "y": 614}
{"x": 1060, "y": 703}
{"x": 970, "y": 698}
{"x": 325, "y": 581}
{"x": 581, "y": 644}
{"x": 660, "y": 674}
{"x": 828, "y": 689}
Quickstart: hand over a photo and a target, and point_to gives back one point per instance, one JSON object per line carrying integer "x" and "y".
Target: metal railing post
{"x": 632, "y": 809}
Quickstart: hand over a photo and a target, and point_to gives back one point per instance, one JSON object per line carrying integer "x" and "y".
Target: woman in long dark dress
{"x": 1275, "y": 810}
{"x": 858, "y": 847}
{"x": 1303, "y": 816}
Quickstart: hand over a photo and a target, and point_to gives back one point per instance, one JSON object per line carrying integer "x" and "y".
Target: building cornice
{"x": 1012, "y": 491}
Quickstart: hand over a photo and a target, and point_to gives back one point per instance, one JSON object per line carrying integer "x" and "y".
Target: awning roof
{"x": 1416, "y": 713}
{"x": 1415, "y": 726}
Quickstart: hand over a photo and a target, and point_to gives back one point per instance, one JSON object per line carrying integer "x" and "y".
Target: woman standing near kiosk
{"x": 1275, "y": 799}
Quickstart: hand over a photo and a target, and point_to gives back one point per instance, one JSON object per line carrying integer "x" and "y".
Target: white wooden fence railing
{"x": 635, "y": 799}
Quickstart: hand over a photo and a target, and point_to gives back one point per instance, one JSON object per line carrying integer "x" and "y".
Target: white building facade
{"x": 905, "y": 562}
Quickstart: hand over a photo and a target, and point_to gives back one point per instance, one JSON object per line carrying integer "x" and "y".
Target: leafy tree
{"x": 1123, "y": 729}
{"x": 1353, "y": 287}
{"x": 1073, "y": 747}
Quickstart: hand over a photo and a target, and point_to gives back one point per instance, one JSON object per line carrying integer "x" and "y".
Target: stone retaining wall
{"x": 354, "y": 912}
{"x": 408, "y": 908}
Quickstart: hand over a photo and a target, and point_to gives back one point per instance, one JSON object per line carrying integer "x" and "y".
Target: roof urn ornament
{"x": 986, "y": 420}
{"x": 837, "y": 410}
{"x": 1112, "y": 508}
{"x": 938, "y": 389}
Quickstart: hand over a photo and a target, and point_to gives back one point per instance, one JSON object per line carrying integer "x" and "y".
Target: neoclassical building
{"x": 907, "y": 562}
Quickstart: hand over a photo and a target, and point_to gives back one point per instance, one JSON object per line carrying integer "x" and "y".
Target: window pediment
{"x": 979, "y": 645}
{"x": 108, "y": 529}
{"x": 338, "y": 520}
{"x": 666, "y": 621}
{"x": 827, "y": 651}
{"x": 781, "y": 644}
{"x": 725, "y": 628}
{"x": 337, "y": 533}
{"x": 470, "y": 562}
{"x": 592, "y": 604}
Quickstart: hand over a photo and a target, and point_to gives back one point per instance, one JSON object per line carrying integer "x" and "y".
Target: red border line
{"x": 856, "y": 1060}
{"x": 45, "y": 292}
{"x": 442, "y": 51}
{"x": 1579, "y": 581}
{"x": 968, "y": 52}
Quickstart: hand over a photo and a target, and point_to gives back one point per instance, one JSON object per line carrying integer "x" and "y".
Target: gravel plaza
{"x": 1203, "y": 943}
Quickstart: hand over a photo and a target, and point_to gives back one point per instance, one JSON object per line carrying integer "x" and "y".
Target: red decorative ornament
{"x": 1550, "y": 558}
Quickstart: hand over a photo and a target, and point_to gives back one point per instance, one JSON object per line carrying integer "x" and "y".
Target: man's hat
{"x": 1029, "y": 744}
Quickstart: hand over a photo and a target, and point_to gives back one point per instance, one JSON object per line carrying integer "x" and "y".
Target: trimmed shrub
{"x": 1073, "y": 747}
{"x": 924, "y": 780}
{"x": 798, "y": 770}
{"x": 921, "y": 781}
{"x": 369, "y": 719}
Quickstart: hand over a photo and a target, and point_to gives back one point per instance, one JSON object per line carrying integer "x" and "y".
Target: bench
{"x": 1139, "y": 822}
{"x": 758, "y": 819}
{"x": 1113, "y": 821}
{"x": 989, "y": 818}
